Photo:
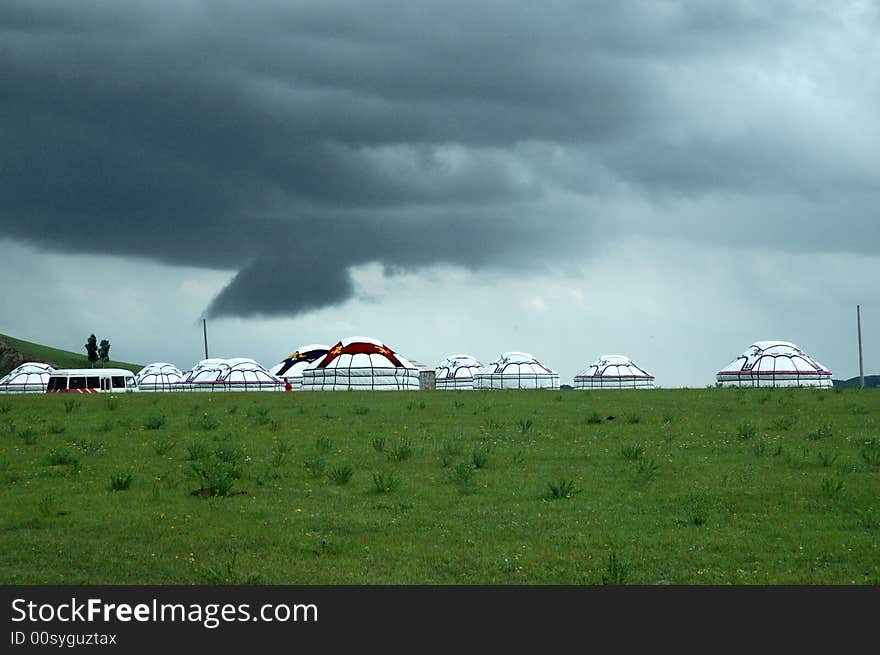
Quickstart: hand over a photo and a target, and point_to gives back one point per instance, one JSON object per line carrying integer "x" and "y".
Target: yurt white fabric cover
{"x": 614, "y": 372}
{"x": 236, "y": 374}
{"x": 361, "y": 364}
{"x": 774, "y": 364}
{"x": 30, "y": 377}
{"x": 247, "y": 375}
{"x": 516, "y": 370}
{"x": 291, "y": 368}
{"x": 457, "y": 372}
{"x": 159, "y": 376}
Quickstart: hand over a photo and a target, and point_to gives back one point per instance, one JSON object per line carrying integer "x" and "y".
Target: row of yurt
{"x": 30, "y": 377}
{"x": 763, "y": 364}
{"x": 517, "y": 370}
{"x": 236, "y": 374}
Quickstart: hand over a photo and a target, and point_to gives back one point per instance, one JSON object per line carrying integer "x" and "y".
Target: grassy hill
{"x": 871, "y": 381}
{"x": 34, "y": 352}
{"x": 707, "y": 486}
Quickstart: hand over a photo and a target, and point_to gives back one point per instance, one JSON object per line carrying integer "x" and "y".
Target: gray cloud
{"x": 290, "y": 142}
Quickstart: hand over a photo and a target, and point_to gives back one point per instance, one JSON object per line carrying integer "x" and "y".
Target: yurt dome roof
{"x": 615, "y": 366}
{"x": 361, "y": 352}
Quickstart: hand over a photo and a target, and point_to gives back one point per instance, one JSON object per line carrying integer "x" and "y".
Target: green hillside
{"x": 34, "y": 352}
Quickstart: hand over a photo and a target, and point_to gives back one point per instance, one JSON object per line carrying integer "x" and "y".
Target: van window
{"x": 129, "y": 382}
{"x": 57, "y": 384}
{"x": 93, "y": 383}
{"x": 117, "y": 382}
{"x": 77, "y": 383}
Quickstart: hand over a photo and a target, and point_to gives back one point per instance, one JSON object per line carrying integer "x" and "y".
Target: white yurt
{"x": 207, "y": 375}
{"x": 30, "y": 377}
{"x": 245, "y": 374}
{"x": 457, "y": 372}
{"x": 614, "y": 372}
{"x": 159, "y": 376}
{"x": 774, "y": 364}
{"x": 291, "y": 368}
{"x": 361, "y": 364}
{"x": 516, "y": 370}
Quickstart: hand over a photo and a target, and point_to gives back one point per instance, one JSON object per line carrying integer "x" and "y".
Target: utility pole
{"x": 861, "y": 365}
{"x": 205, "y": 330}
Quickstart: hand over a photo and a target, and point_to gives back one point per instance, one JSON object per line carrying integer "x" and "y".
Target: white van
{"x": 91, "y": 380}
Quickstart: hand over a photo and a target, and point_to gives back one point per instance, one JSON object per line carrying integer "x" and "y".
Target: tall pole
{"x": 861, "y": 365}
{"x": 205, "y": 330}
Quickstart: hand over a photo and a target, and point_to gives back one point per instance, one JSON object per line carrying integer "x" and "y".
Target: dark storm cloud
{"x": 292, "y": 141}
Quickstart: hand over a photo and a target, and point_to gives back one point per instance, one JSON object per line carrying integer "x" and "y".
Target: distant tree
{"x": 104, "y": 351}
{"x": 92, "y": 349}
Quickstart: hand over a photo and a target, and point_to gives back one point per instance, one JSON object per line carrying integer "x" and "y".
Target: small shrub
{"x": 227, "y": 575}
{"x": 379, "y": 444}
{"x": 822, "y": 432}
{"x": 323, "y": 445}
{"x": 106, "y": 426}
{"x": 55, "y": 428}
{"x": 746, "y": 431}
{"x": 197, "y": 450}
{"x": 759, "y": 449}
{"x": 5, "y": 409}
{"x": 111, "y": 403}
{"x": 518, "y": 457}
{"x": 462, "y": 473}
{"x": 120, "y": 481}
{"x": 524, "y": 424}
{"x": 402, "y": 451}
{"x": 784, "y": 423}
{"x": 668, "y": 418}
{"x": 633, "y": 419}
{"x": 48, "y": 506}
{"x": 480, "y": 457}
{"x": 831, "y": 487}
{"x": 315, "y": 465}
{"x": 340, "y": 475}
{"x": 827, "y": 460}
{"x": 648, "y": 470}
{"x": 616, "y": 571}
{"x": 594, "y": 419}
{"x": 215, "y": 476}
{"x": 257, "y": 412}
{"x": 868, "y": 519}
{"x": 778, "y": 452}
{"x": 87, "y": 447}
{"x": 28, "y": 436}
{"x": 62, "y": 457}
{"x": 232, "y": 409}
{"x": 154, "y": 422}
{"x": 279, "y": 451}
{"x": 229, "y": 453}
{"x": 360, "y": 410}
{"x": 871, "y": 456}
{"x": 632, "y": 452}
{"x": 459, "y": 404}
{"x": 208, "y": 422}
{"x": 70, "y": 404}
{"x": 385, "y": 483}
{"x": 451, "y": 448}
{"x": 562, "y": 489}
{"x": 163, "y": 446}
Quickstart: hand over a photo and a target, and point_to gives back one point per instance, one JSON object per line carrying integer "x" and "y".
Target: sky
{"x": 670, "y": 180}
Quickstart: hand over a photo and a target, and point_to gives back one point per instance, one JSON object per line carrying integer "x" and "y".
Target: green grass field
{"x": 58, "y": 358}
{"x": 712, "y": 486}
